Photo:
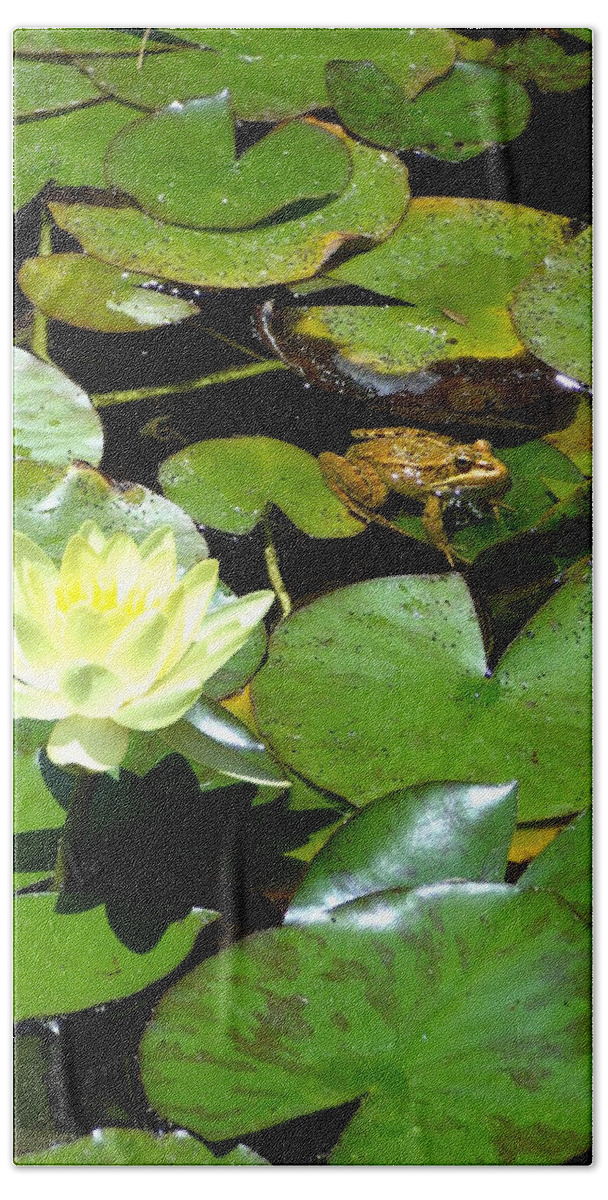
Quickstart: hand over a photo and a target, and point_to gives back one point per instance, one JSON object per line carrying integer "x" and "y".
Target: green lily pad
{"x": 180, "y": 165}
{"x": 472, "y": 108}
{"x": 552, "y": 310}
{"x": 329, "y": 700}
{"x": 35, "y": 810}
{"x": 54, "y": 421}
{"x": 66, "y": 962}
{"x": 137, "y": 1148}
{"x": 67, "y": 150}
{"x": 541, "y": 59}
{"x": 211, "y": 735}
{"x": 423, "y": 1004}
{"x": 566, "y": 866}
{"x": 376, "y": 346}
{"x": 407, "y": 839}
{"x": 540, "y": 476}
{"x": 228, "y": 482}
{"x": 584, "y": 35}
{"x": 457, "y": 254}
{"x": 42, "y": 88}
{"x": 473, "y": 49}
{"x": 422, "y": 365}
{"x": 456, "y": 261}
{"x": 57, "y": 42}
{"x": 368, "y": 101}
{"x": 576, "y": 440}
{"x": 370, "y": 207}
{"x": 51, "y": 505}
{"x": 35, "y": 807}
{"x": 93, "y": 295}
{"x": 272, "y": 73}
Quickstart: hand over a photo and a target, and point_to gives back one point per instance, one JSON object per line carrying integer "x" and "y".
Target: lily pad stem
{"x": 272, "y": 565}
{"x": 104, "y": 399}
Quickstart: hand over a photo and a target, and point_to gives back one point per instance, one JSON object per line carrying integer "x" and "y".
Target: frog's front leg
{"x": 432, "y": 521}
{"x": 360, "y": 488}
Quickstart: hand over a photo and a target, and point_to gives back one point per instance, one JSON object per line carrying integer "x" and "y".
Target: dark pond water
{"x": 90, "y": 1057}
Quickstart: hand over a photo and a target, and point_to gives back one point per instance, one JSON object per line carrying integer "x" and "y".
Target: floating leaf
{"x": 457, "y": 254}
{"x": 540, "y": 475}
{"x": 566, "y": 866}
{"x": 35, "y": 806}
{"x": 584, "y": 35}
{"x": 67, "y": 150}
{"x": 65, "y": 962}
{"x": 37, "y": 816}
{"x": 368, "y": 101}
{"x": 51, "y": 505}
{"x": 92, "y": 295}
{"x": 457, "y": 262}
{"x": 228, "y": 482}
{"x": 211, "y": 735}
{"x": 575, "y": 441}
{"x": 271, "y": 73}
{"x": 552, "y": 309}
{"x": 137, "y": 1148}
{"x": 472, "y": 108}
{"x": 57, "y": 42}
{"x": 180, "y": 165}
{"x": 54, "y": 421}
{"x": 42, "y": 88}
{"x": 422, "y": 1004}
{"x": 329, "y": 700}
{"x": 370, "y": 207}
{"x": 473, "y": 49}
{"x": 541, "y": 59}
{"x": 423, "y": 365}
{"x": 407, "y": 839}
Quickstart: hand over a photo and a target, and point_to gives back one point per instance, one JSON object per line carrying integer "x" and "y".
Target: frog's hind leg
{"x": 345, "y": 478}
{"x": 360, "y": 490}
{"x": 432, "y": 522}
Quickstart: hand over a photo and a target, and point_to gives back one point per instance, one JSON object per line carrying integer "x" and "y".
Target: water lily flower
{"x": 112, "y": 640}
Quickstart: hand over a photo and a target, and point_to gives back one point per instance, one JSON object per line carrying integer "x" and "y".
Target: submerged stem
{"x": 272, "y": 566}
{"x": 104, "y": 399}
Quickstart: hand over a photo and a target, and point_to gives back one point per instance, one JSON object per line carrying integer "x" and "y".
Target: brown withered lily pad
{"x": 421, "y": 369}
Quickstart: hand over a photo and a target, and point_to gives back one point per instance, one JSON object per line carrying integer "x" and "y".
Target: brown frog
{"x": 423, "y": 466}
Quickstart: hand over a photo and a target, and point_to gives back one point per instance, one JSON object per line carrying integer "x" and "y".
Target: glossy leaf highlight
{"x": 93, "y": 295}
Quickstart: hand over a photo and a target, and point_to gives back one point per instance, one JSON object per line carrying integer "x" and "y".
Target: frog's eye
{"x": 463, "y": 462}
